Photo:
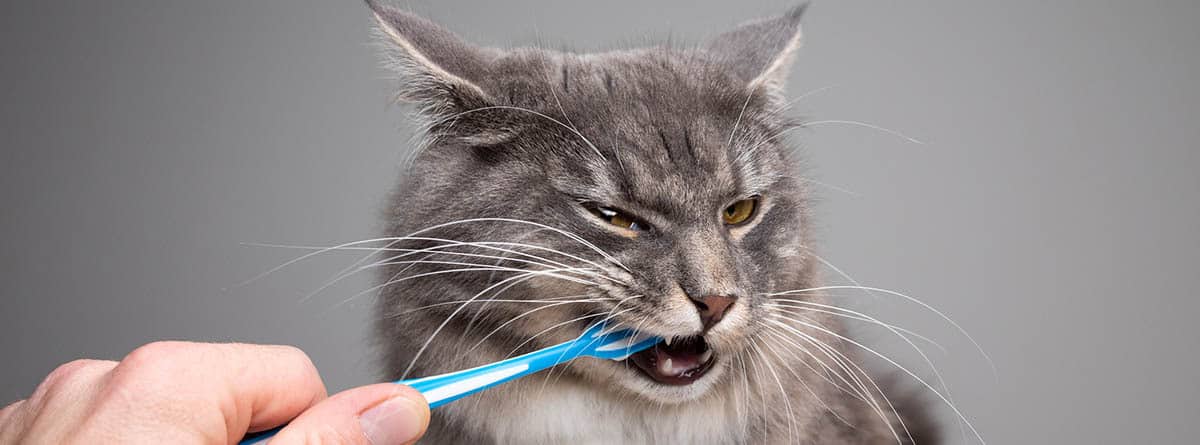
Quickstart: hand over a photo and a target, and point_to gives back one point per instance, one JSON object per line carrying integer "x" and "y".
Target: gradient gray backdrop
{"x": 1052, "y": 210}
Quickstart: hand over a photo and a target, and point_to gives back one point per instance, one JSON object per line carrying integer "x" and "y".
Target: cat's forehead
{"x": 670, "y": 129}
{"x": 654, "y": 83}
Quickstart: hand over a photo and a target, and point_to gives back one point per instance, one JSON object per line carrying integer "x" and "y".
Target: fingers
{"x": 176, "y": 392}
{"x": 214, "y": 392}
{"x": 59, "y": 403}
{"x": 10, "y": 423}
{"x": 8, "y": 411}
{"x": 381, "y": 414}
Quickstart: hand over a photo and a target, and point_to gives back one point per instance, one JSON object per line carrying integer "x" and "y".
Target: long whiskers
{"x": 906, "y": 297}
{"x": 854, "y": 372}
{"x": 945, "y": 400}
{"x": 792, "y": 305}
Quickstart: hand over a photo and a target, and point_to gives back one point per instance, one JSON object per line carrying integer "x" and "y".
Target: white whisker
{"x": 862, "y": 124}
{"x": 906, "y": 297}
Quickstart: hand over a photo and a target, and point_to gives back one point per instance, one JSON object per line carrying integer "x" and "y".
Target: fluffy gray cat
{"x": 647, "y": 188}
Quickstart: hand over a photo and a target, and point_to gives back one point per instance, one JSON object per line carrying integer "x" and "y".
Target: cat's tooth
{"x": 668, "y": 340}
{"x": 705, "y": 356}
{"x": 664, "y": 367}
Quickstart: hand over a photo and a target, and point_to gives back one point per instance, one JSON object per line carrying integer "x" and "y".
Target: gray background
{"x": 1052, "y": 210}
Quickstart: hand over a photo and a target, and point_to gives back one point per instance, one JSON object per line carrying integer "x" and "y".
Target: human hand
{"x": 201, "y": 393}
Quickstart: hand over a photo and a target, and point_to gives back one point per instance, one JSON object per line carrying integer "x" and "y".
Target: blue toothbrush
{"x": 445, "y": 388}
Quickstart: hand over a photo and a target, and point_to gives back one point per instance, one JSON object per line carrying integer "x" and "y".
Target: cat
{"x": 646, "y": 188}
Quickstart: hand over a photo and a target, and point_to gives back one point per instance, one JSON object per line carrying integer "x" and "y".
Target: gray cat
{"x": 647, "y": 188}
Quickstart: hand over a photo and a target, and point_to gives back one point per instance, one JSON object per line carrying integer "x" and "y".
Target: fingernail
{"x": 396, "y": 421}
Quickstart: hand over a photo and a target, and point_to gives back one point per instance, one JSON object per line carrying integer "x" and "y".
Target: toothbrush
{"x": 439, "y": 390}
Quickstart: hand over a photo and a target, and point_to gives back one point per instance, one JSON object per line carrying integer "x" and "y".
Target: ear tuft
{"x": 761, "y": 51}
{"x": 437, "y": 70}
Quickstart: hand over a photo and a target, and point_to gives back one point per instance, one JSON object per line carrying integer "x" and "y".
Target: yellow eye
{"x": 619, "y": 219}
{"x": 739, "y": 212}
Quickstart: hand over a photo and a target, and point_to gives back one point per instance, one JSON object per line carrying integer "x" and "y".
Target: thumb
{"x": 380, "y": 414}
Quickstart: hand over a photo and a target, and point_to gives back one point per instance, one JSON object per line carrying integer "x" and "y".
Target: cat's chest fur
{"x": 568, "y": 411}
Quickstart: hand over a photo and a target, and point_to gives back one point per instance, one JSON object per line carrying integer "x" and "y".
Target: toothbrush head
{"x": 616, "y": 344}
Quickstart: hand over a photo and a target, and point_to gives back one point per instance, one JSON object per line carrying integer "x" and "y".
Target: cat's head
{"x": 653, "y": 183}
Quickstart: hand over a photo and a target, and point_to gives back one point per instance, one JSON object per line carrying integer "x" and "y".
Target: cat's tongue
{"x": 680, "y": 363}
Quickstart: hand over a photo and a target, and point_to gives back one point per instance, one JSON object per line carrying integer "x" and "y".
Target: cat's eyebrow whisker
{"x": 849, "y": 314}
{"x": 515, "y": 108}
{"x": 901, "y": 295}
{"x": 813, "y": 92}
{"x": 550, "y": 87}
{"x": 862, "y": 124}
{"x": 738, "y": 121}
{"x": 832, "y": 187}
{"x": 846, "y": 363}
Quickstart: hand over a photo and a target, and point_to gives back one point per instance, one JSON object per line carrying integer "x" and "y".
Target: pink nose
{"x": 712, "y": 308}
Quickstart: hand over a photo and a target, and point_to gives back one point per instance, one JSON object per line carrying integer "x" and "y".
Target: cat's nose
{"x": 712, "y": 308}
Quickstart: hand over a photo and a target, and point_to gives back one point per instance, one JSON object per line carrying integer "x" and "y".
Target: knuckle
{"x": 65, "y": 382}
{"x": 65, "y": 372}
{"x": 294, "y": 354}
{"x": 9, "y": 411}
{"x": 160, "y": 358}
{"x": 152, "y": 365}
{"x": 157, "y": 352}
{"x": 68, "y": 373}
{"x": 299, "y": 362}
{"x": 302, "y": 360}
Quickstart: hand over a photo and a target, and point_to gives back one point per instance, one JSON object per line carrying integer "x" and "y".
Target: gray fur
{"x": 669, "y": 134}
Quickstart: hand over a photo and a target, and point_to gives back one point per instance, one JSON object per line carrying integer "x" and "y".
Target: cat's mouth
{"x": 681, "y": 362}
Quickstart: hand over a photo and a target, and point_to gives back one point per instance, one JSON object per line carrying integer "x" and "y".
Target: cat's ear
{"x": 761, "y": 51}
{"x": 438, "y": 71}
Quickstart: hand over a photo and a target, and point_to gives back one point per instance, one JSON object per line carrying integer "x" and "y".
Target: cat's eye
{"x": 739, "y": 212}
{"x": 619, "y": 218}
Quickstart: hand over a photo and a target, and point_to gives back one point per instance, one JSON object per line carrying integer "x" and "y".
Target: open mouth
{"x": 680, "y": 361}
